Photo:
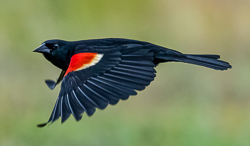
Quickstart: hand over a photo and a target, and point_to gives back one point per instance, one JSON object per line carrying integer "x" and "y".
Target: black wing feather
{"x": 113, "y": 89}
{"x": 56, "y": 111}
{"x": 65, "y": 112}
{"x": 74, "y": 98}
{"x": 89, "y": 106}
{"x": 100, "y": 101}
{"x": 117, "y": 87}
{"x": 102, "y": 91}
{"x": 74, "y": 106}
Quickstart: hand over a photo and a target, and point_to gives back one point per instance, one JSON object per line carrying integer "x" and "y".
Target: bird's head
{"x": 56, "y": 51}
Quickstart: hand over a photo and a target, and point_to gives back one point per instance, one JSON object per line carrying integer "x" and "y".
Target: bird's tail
{"x": 210, "y": 61}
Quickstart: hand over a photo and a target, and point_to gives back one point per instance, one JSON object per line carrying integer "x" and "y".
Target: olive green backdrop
{"x": 185, "y": 105}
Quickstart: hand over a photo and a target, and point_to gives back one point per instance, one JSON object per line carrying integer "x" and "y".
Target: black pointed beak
{"x": 42, "y": 49}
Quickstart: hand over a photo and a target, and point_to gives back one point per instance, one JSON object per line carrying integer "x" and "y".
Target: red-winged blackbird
{"x": 99, "y": 72}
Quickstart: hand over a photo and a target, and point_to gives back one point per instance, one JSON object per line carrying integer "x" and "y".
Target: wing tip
{"x": 42, "y": 125}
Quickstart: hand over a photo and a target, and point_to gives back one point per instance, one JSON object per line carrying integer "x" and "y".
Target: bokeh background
{"x": 185, "y": 105}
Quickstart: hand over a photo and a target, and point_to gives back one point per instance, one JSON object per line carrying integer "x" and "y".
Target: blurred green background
{"x": 186, "y": 105}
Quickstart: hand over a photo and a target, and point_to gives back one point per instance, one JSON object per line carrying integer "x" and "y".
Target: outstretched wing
{"x": 94, "y": 80}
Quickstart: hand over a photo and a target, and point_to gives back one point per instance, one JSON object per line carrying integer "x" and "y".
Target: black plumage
{"x": 123, "y": 67}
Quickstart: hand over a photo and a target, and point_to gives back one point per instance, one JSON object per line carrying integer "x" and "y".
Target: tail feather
{"x": 210, "y": 61}
{"x": 205, "y": 56}
{"x": 207, "y": 62}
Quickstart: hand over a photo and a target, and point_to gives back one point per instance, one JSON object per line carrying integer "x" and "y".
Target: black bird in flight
{"x": 99, "y": 72}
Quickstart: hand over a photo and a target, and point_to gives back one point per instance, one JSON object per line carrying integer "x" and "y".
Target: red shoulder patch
{"x": 79, "y": 61}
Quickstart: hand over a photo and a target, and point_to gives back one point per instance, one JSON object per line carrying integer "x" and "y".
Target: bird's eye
{"x": 55, "y": 46}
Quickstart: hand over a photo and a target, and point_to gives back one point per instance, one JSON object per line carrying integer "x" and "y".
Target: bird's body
{"x": 99, "y": 72}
